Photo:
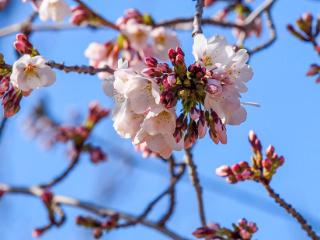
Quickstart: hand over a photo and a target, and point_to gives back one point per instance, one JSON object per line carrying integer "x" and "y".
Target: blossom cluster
{"x": 138, "y": 39}
{"x": 261, "y": 169}
{"x": 208, "y": 91}
{"x": 244, "y": 230}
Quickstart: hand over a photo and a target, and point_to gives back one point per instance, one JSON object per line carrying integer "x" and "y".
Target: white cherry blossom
{"x": 30, "y": 73}
{"x": 163, "y": 40}
{"x": 56, "y": 10}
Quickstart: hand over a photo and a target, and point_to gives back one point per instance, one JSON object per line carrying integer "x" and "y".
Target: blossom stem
{"x": 196, "y": 183}
{"x": 198, "y": 18}
{"x": 291, "y": 210}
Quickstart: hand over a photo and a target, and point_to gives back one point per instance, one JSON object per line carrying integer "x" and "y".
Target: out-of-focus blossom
{"x": 56, "y": 10}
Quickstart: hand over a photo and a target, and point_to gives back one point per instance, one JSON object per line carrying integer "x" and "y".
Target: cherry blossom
{"x": 56, "y": 10}
{"x": 163, "y": 39}
{"x": 30, "y": 73}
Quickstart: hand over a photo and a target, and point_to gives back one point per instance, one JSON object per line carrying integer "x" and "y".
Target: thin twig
{"x": 93, "y": 208}
{"x": 172, "y": 191}
{"x": 79, "y": 69}
{"x": 273, "y": 35}
{"x": 291, "y": 210}
{"x": 74, "y": 162}
{"x": 152, "y": 204}
{"x": 196, "y": 183}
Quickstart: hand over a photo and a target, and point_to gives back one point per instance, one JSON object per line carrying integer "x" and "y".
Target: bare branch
{"x": 92, "y": 208}
{"x": 273, "y": 35}
{"x": 291, "y": 210}
{"x": 79, "y": 69}
{"x": 197, "y": 18}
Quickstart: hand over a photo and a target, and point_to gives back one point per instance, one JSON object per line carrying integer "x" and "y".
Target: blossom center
{"x": 30, "y": 69}
{"x": 207, "y": 60}
{"x": 161, "y": 39}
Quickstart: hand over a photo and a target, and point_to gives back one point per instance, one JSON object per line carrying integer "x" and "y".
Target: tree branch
{"x": 79, "y": 69}
{"x": 291, "y": 210}
{"x": 198, "y": 18}
{"x": 151, "y": 205}
{"x": 196, "y": 183}
{"x": 92, "y": 208}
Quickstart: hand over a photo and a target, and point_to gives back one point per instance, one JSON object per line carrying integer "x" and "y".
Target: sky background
{"x": 288, "y": 118}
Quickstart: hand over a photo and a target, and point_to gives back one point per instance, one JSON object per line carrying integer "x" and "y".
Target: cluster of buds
{"x": 135, "y": 15}
{"x": 99, "y": 227}
{"x": 308, "y": 31}
{"x": 10, "y": 95}
{"x": 81, "y": 15}
{"x": 23, "y": 45}
{"x": 96, "y": 153}
{"x": 40, "y": 124}
{"x": 244, "y": 230}
{"x": 314, "y": 70}
{"x": 261, "y": 169}
{"x": 189, "y": 86}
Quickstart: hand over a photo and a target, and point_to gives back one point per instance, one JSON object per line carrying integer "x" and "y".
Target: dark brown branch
{"x": 172, "y": 190}
{"x": 152, "y": 204}
{"x": 291, "y": 210}
{"x": 196, "y": 183}
{"x": 74, "y": 162}
{"x": 92, "y": 208}
{"x": 79, "y": 69}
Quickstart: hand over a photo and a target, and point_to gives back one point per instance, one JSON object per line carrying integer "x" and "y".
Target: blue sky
{"x": 288, "y": 118}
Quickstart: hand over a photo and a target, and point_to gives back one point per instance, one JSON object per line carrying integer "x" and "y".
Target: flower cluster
{"x": 308, "y": 32}
{"x": 137, "y": 40}
{"x": 208, "y": 90}
{"x": 241, "y": 231}
{"x": 29, "y": 72}
{"x": 98, "y": 226}
{"x": 262, "y": 169}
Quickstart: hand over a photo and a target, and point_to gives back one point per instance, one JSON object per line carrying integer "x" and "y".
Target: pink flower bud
{"x": 223, "y": 171}
{"x": 267, "y": 164}
{"x": 37, "y": 232}
{"x": 252, "y": 136}
{"x": 47, "y": 197}
{"x": 270, "y": 151}
{"x": 204, "y": 232}
{"x": 151, "y": 62}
